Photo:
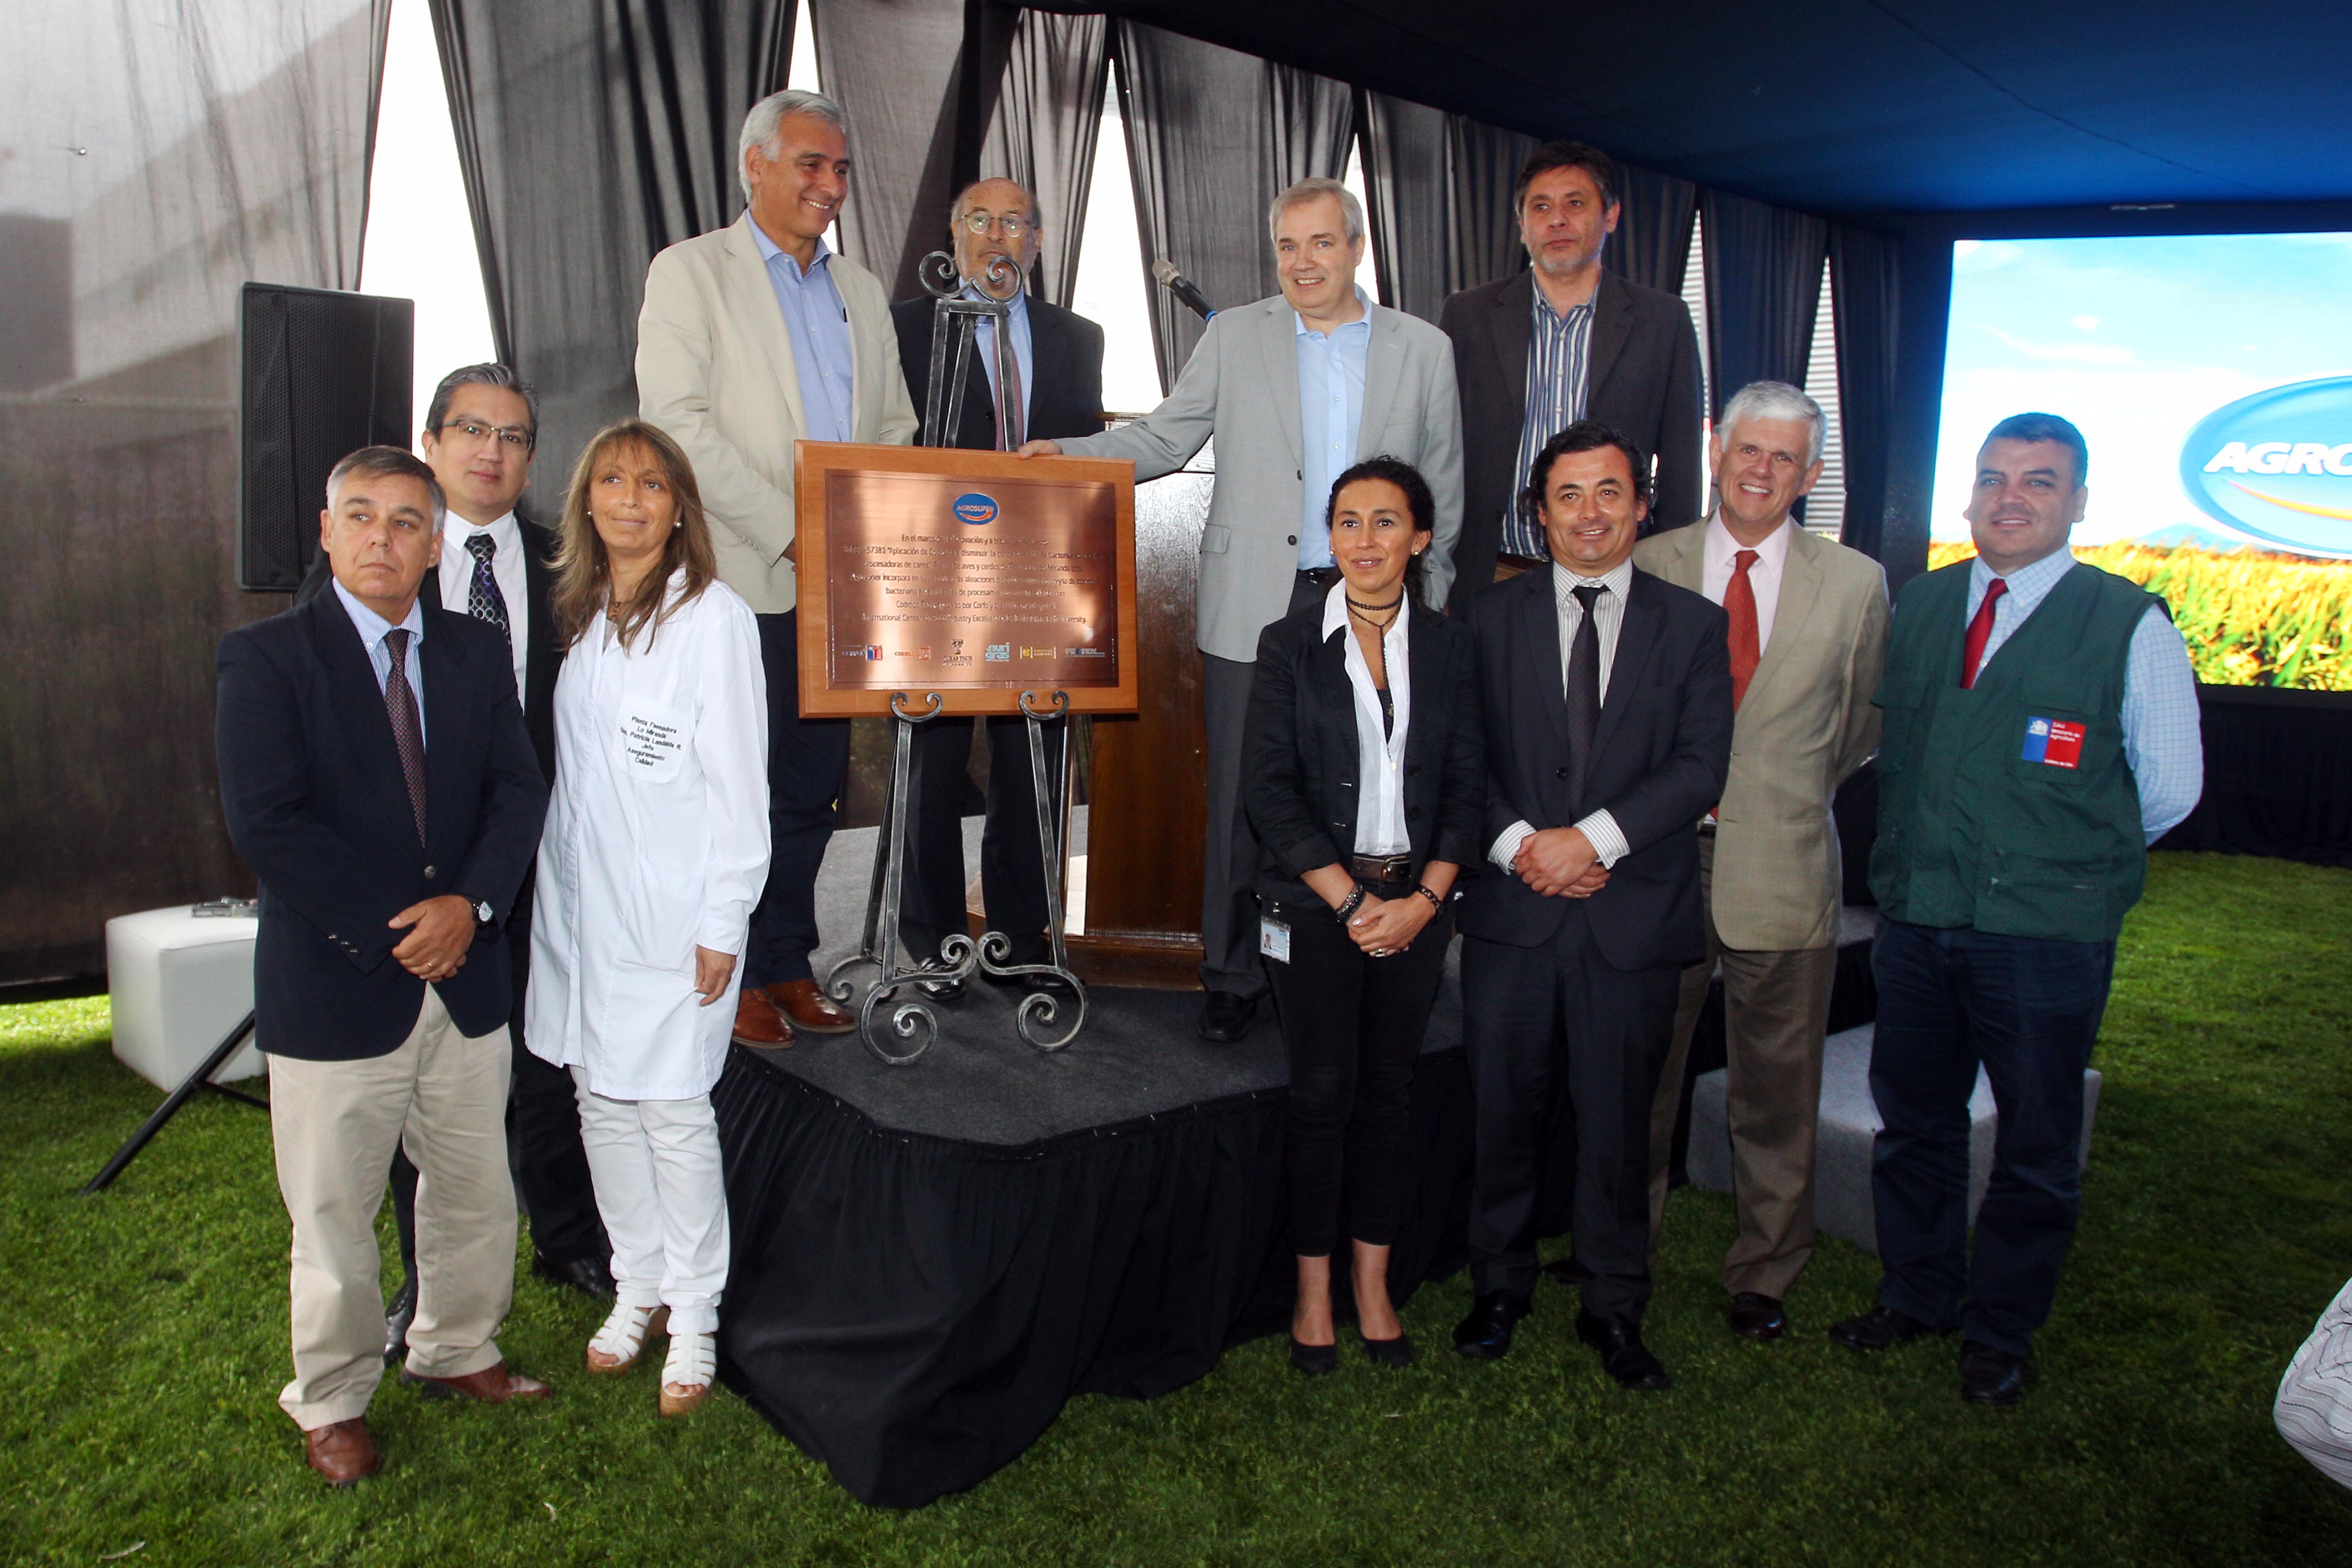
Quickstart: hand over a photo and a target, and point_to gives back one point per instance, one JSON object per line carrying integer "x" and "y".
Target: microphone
{"x": 1187, "y": 292}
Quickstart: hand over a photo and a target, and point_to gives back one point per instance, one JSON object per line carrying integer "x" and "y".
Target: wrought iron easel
{"x": 955, "y": 323}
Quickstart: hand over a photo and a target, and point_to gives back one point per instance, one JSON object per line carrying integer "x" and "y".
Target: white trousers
{"x": 664, "y": 1201}
{"x": 442, "y": 1098}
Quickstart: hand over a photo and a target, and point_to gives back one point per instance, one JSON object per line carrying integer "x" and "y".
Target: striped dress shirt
{"x": 1559, "y": 357}
{"x": 2313, "y": 1409}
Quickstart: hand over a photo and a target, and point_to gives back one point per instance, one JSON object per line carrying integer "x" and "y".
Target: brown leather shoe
{"x": 757, "y": 1022}
{"x": 494, "y": 1385}
{"x": 1758, "y": 1317}
{"x": 341, "y": 1451}
{"x": 809, "y": 1010}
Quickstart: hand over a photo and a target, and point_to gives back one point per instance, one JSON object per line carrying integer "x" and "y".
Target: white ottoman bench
{"x": 1849, "y": 1125}
{"x": 177, "y": 981}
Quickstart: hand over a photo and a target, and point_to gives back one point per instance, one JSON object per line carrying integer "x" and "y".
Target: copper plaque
{"x": 975, "y": 576}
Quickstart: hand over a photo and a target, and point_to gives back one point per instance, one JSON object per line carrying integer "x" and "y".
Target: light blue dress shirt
{"x": 371, "y": 629}
{"x": 1330, "y": 409}
{"x": 818, "y": 323}
{"x": 2163, "y": 742}
{"x": 984, "y": 345}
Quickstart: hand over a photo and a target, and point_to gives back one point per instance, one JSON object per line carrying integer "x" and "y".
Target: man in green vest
{"x": 2041, "y": 731}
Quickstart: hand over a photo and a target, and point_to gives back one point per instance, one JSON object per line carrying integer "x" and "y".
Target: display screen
{"x": 2212, "y": 376}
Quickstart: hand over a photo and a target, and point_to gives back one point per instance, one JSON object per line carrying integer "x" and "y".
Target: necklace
{"x": 1356, "y": 608}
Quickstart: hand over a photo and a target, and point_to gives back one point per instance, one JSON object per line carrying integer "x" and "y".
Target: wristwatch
{"x": 483, "y": 914}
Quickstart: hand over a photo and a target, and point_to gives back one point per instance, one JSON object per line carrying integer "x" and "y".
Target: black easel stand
{"x": 200, "y": 1078}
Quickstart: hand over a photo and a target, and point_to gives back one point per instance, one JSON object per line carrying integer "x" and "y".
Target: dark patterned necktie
{"x": 483, "y": 600}
{"x": 407, "y": 731}
{"x": 1583, "y": 687}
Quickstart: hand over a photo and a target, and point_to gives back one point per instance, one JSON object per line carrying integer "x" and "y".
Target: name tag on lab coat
{"x": 654, "y": 736}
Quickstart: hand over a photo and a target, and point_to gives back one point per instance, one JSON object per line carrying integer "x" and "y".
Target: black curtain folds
{"x": 1042, "y": 134}
{"x": 1651, "y": 244}
{"x": 1213, "y": 136}
{"x": 1866, "y": 296}
{"x": 895, "y": 68}
{"x": 1763, "y": 286}
{"x": 1440, "y": 185}
{"x": 650, "y": 96}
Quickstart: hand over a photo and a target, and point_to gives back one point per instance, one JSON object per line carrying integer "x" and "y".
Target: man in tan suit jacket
{"x": 753, "y": 337}
{"x": 1808, "y": 623}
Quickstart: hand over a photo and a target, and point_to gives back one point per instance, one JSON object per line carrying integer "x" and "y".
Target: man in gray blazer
{"x": 1808, "y": 632}
{"x": 1296, "y": 389}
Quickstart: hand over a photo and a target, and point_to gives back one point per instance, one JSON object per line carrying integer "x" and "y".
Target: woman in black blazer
{"x": 1365, "y": 785}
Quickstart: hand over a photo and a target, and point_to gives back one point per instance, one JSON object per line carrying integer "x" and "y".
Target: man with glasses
{"x": 481, "y": 430}
{"x": 1054, "y": 391}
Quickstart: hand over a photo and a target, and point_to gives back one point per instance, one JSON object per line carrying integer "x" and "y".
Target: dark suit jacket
{"x": 1301, "y": 758}
{"x": 1659, "y": 759}
{"x": 316, "y": 803}
{"x": 543, "y": 655}
{"x": 1065, "y": 401}
{"x": 1643, "y": 377}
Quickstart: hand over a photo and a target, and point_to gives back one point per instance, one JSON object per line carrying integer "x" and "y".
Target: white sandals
{"x": 615, "y": 1347}
{"x": 688, "y": 1371}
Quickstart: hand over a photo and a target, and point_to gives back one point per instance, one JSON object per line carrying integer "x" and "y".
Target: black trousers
{"x": 1352, "y": 1027}
{"x": 2027, "y": 1009}
{"x": 1561, "y": 1044}
{"x": 808, "y": 760}
{"x": 543, "y": 1150}
{"x": 1011, "y": 869}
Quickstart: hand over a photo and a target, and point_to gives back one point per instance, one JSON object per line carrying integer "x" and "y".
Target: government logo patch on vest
{"x": 2057, "y": 741}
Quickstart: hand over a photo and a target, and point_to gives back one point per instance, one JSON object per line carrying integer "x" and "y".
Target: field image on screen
{"x": 2212, "y": 376}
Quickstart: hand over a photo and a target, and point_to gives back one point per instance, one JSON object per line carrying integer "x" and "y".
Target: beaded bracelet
{"x": 1354, "y": 902}
{"x": 1434, "y": 902}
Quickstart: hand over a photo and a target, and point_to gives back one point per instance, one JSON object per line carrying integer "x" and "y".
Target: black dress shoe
{"x": 1312, "y": 1360}
{"x": 1879, "y": 1329}
{"x": 1622, "y": 1354}
{"x": 1486, "y": 1333}
{"x": 1396, "y": 1352}
{"x": 1225, "y": 1018}
{"x": 396, "y": 1320}
{"x": 1989, "y": 1376}
{"x": 1758, "y": 1317}
{"x": 589, "y": 1275}
{"x": 950, "y": 990}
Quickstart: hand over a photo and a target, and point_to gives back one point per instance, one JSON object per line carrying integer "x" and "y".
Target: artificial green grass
{"x": 142, "y": 1341}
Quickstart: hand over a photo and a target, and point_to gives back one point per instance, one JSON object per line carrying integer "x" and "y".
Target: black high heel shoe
{"x": 1395, "y": 1352}
{"x": 1312, "y": 1360}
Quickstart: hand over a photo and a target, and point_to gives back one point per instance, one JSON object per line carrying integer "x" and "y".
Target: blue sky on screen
{"x": 2135, "y": 340}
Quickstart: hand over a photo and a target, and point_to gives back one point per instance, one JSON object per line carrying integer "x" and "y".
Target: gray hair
{"x": 762, "y": 126}
{"x": 389, "y": 462}
{"x": 502, "y": 376}
{"x": 955, "y": 203}
{"x": 1776, "y": 400}
{"x": 1351, "y": 211}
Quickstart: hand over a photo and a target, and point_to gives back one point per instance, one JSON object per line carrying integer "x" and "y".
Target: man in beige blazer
{"x": 753, "y": 337}
{"x": 1808, "y": 629}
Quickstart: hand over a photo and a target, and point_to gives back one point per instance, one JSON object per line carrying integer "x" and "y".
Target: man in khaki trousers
{"x": 376, "y": 775}
{"x": 1808, "y": 628}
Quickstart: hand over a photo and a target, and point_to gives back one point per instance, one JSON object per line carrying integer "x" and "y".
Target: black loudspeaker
{"x": 323, "y": 373}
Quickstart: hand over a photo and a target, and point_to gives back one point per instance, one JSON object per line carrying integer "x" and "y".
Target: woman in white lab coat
{"x": 655, "y": 849}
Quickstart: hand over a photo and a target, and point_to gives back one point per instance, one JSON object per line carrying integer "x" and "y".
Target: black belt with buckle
{"x": 1382, "y": 870}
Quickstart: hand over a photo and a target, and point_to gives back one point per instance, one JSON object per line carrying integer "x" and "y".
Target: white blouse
{"x": 657, "y": 844}
{"x": 1380, "y": 769}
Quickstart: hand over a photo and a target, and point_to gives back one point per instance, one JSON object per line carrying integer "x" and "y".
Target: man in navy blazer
{"x": 1607, "y": 698}
{"x": 377, "y": 776}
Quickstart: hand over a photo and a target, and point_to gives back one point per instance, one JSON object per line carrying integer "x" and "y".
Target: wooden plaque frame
{"x": 819, "y": 466}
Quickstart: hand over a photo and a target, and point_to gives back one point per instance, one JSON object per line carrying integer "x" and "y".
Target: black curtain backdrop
{"x": 893, "y": 65}
{"x": 1213, "y": 138}
{"x": 161, "y": 156}
{"x": 1866, "y": 296}
{"x": 1440, "y": 188}
{"x": 1763, "y": 286}
{"x": 1482, "y": 164}
{"x": 643, "y": 101}
{"x": 1651, "y": 244}
{"x": 1042, "y": 134}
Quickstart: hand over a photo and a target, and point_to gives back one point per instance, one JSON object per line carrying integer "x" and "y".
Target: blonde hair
{"x": 583, "y": 573}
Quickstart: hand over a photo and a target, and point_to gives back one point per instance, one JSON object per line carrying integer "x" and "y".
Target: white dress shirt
{"x": 1600, "y": 830}
{"x": 1764, "y": 576}
{"x": 506, "y": 565}
{"x": 1380, "y": 750}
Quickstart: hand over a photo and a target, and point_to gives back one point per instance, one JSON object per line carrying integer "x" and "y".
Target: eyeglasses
{"x": 519, "y": 437}
{"x": 1011, "y": 226}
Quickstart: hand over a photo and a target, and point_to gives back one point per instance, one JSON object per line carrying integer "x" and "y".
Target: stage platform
{"x": 930, "y": 1260}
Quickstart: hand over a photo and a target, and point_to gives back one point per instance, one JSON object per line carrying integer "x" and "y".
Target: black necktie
{"x": 1583, "y": 687}
{"x": 407, "y": 730}
{"x": 483, "y": 600}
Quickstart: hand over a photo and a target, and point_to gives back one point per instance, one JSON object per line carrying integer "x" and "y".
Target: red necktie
{"x": 1972, "y": 652}
{"x": 1739, "y": 604}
